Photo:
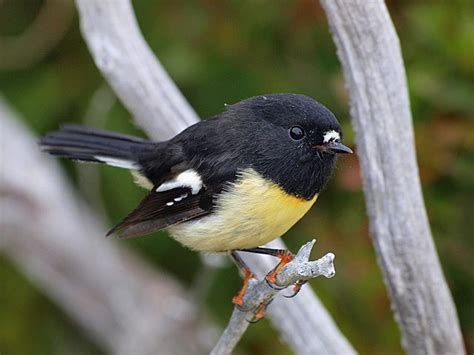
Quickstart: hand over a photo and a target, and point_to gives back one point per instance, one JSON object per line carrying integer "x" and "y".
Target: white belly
{"x": 251, "y": 213}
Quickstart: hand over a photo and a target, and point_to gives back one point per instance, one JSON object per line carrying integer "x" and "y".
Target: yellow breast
{"x": 250, "y": 213}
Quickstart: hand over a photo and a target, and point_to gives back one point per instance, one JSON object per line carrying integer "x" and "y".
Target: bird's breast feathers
{"x": 250, "y": 212}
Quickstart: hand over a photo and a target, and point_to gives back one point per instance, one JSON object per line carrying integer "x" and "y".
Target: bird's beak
{"x": 338, "y": 148}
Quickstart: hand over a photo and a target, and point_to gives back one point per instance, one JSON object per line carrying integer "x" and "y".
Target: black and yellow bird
{"x": 233, "y": 182}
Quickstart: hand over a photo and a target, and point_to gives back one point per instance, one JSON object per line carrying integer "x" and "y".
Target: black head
{"x": 290, "y": 139}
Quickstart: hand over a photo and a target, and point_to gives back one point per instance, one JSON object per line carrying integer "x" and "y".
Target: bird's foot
{"x": 238, "y": 299}
{"x": 285, "y": 257}
{"x": 296, "y": 288}
{"x": 259, "y": 312}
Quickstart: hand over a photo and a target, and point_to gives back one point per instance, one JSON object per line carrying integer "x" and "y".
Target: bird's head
{"x": 292, "y": 139}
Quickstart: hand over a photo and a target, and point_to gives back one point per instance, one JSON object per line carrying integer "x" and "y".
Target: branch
{"x": 303, "y": 317}
{"x": 121, "y": 303}
{"x": 370, "y": 54}
{"x": 119, "y": 50}
{"x": 260, "y": 292}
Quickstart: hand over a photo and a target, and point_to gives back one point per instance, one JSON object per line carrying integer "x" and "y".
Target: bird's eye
{"x": 296, "y": 133}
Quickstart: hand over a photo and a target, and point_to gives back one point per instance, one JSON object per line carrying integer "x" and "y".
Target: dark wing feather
{"x": 153, "y": 213}
{"x": 193, "y": 149}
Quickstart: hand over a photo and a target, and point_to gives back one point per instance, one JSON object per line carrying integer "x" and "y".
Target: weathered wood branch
{"x": 121, "y": 303}
{"x": 370, "y": 54}
{"x": 260, "y": 292}
{"x": 301, "y": 317}
{"x": 119, "y": 50}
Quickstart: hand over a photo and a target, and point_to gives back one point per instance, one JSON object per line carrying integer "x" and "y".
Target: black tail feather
{"x": 94, "y": 145}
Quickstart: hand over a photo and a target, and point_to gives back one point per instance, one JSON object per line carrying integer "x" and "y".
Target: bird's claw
{"x": 238, "y": 299}
{"x": 259, "y": 312}
{"x": 274, "y": 285}
{"x": 296, "y": 288}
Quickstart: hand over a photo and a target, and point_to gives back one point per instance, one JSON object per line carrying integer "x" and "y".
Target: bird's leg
{"x": 238, "y": 299}
{"x": 285, "y": 257}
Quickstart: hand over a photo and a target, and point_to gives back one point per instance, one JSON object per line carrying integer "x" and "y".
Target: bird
{"x": 230, "y": 183}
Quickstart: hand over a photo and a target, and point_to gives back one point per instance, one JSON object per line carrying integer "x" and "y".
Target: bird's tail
{"x": 93, "y": 145}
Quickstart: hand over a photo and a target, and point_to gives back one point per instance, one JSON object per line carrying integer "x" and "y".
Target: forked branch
{"x": 259, "y": 293}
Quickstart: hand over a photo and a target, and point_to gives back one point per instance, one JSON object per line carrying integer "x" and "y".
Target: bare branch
{"x": 122, "y": 303}
{"x": 120, "y": 52}
{"x": 370, "y": 53}
{"x": 302, "y": 317}
{"x": 260, "y": 292}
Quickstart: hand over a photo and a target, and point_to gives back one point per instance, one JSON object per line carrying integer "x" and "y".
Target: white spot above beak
{"x": 331, "y": 136}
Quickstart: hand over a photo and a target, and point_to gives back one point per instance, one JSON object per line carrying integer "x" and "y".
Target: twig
{"x": 260, "y": 292}
{"x": 119, "y": 50}
{"x": 370, "y": 54}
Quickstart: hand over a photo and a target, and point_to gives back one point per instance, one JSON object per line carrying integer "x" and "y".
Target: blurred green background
{"x": 223, "y": 51}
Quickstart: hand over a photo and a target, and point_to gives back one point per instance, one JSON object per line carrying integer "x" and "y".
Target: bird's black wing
{"x": 159, "y": 210}
{"x": 188, "y": 175}
{"x": 177, "y": 200}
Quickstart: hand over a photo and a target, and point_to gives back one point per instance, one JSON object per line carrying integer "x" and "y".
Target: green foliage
{"x": 220, "y": 52}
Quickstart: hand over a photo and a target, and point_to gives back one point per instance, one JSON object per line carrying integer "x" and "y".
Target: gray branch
{"x": 119, "y": 50}
{"x": 370, "y": 54}
{"x": 260, "y": 292}
{"x": 123, "y": 304}
{"x": 302, "y": 317}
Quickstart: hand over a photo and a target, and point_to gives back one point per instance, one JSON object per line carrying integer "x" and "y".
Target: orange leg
{"x": 239, "y": 298}
{"x": 285, "y": 257}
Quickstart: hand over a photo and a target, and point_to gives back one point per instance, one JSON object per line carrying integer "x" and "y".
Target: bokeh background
{"x": 221, "y": 52}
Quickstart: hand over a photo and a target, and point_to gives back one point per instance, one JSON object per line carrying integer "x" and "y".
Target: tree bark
{"x": 370, "y": 54}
